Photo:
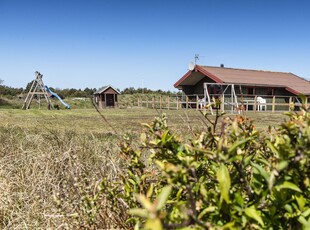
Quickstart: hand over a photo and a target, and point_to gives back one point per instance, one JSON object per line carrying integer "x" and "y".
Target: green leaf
{"x": 162, "y": 197}
{"x": 304, "y": 222}
{"x": 160, "y": 164}
{"x": 261, "y": 171}
{"x": 230, "y": 226}
{"x": 186, "y": 228}
{"x": 254, "y": 214}
{"x": 306, "y": 213}
{"x": 301, "y": 202}
{"x": 132, "y": 181}
{"x": 288, "y": 185}
{"x": 153, "y": 224}
{"x": 239, "y": 199}
{"x": 139, "y": 212}
{"x": 272, "y": 148}
{"x": 248, "y": 159}
{"x": 288, "y": 208}
{"x": 150, "y": 191}
{"x": 164, "y": 136}
{"x": 223, "y": 178}
{"x": 146, "y": 203}
{"x": 179, "y": 193}
{"x": 282, "y": 165}
{"x": 234, "y": 147}
{"x": 206, "y": 210}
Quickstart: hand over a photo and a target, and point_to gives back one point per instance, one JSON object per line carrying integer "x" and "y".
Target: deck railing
{"x": 244, "y": 102}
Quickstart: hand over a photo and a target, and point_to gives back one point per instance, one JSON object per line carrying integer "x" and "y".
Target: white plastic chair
{"x": 261, "y": 104}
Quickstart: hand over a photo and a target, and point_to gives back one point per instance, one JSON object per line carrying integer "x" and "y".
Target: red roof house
{"x": 260, "y": 82}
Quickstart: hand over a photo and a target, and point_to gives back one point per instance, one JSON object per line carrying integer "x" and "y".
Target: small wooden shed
{"x": 106, "y": 97}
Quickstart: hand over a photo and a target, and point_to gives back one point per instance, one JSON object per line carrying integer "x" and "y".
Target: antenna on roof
{"x": 196, "y": 58}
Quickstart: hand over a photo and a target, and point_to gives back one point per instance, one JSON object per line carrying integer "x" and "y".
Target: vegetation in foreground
{"x": 221, "y": 174}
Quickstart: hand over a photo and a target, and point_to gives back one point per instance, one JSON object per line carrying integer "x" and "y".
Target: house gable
{"x": 107, "y": 90}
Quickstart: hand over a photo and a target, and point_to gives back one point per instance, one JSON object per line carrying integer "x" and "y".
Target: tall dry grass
{"x": 46, "y": 175}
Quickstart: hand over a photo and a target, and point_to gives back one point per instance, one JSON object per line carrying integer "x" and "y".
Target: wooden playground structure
{"x": 38, "y": 90}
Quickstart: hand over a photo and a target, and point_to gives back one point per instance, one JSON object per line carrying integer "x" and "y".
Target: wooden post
{"x": 197, "y": 102}
{"x": 289, "y": 103}
{"x": 255, "y": 103}
{"x": 273, "y": 103}
{"x": 105, "y": 100}
{"x": 168, "y": 102}
{"x": 186, "y": 102}
{"x": 160, "y": 102}
{"x": 177, "y": 103}
{"x": 153, "y": 102}
{"x": 222, "y": 103}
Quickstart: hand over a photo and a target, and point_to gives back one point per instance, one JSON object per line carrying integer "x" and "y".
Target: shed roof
{"x": 289, "y": 81}
{"x": 105, "y": 88}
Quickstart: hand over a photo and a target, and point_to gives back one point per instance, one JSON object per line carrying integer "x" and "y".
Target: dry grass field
{"x": 50, "y": 160}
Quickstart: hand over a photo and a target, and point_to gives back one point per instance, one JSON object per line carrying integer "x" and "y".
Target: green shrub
{"x": 228, "y": 177}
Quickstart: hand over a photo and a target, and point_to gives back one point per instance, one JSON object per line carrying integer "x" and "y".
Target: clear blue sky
{"x": 92, "y": 43}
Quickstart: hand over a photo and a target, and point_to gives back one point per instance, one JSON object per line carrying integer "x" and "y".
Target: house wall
{"x": 196, "y": 89}
{"x": 110, "y": 91}
{"x": 100, "y": 99}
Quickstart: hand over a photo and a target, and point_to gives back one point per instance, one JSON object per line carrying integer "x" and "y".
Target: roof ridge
{"x": 270, "y": 71}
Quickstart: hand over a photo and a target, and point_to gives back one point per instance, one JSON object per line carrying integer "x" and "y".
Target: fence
{"x": 247, "y": 103}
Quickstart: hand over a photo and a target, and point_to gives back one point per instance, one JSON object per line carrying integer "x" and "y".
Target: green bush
{"x": 228, "y": 177}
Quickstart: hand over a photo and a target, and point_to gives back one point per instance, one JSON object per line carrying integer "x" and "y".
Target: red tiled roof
{"x": 289, "y": 81}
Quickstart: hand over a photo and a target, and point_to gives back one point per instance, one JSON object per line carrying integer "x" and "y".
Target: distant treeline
{"x": 64, "y": 93}
{"x": 132, "y": 90}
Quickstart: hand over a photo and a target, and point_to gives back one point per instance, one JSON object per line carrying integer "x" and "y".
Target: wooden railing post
{"x": 273, "y": 103}
{"x": 153, "y": 102}
{"x": 197, "y": 102}
{"x": 255, "y": 103}
{"x": 289, "y": 103}
{"x": 160, "y": 102}
{"x": 186, "y": 102}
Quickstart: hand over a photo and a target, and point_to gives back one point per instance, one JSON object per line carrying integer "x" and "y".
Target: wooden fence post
{"x": 153, "y": 102}
{"x": 160, "y": 102}
{"x": 197, "y": 102}
{"x": 186, "y": 102}
{"x": 168, "y": 102}
{"x": 289, "y": 103}
{"x": 255, "y": 104}
{"x": 273, "y": 103}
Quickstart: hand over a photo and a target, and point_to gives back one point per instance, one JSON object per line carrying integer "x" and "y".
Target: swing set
{"x": 220, "y": 91}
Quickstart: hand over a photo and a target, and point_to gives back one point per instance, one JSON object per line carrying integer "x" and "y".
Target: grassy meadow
{"x": 51, "y": 160}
